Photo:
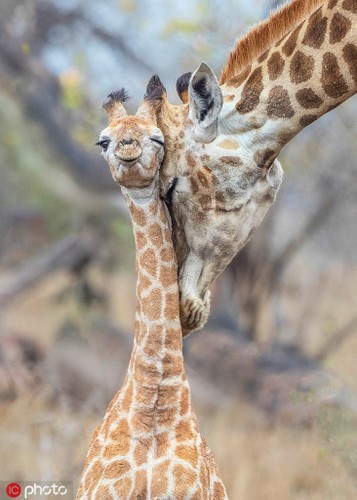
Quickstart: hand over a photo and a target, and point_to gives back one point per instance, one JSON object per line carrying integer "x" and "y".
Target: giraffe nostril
{"x": 127, "y": 142}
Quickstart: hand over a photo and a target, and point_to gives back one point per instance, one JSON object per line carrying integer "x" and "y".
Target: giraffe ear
{"x": 154, "y": 95}
{"x": 182, "y": 84}
{"x": 205, "y": 102}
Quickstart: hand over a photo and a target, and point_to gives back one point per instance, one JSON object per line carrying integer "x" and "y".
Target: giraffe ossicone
{"x": 148, "y": 445}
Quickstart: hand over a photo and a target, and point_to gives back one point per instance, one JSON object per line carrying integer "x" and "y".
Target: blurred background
{"x": 274, "y": 373}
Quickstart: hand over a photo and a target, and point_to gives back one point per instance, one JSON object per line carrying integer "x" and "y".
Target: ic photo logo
{"x": 13, "y": 490}
{"x": 39, "y": 489}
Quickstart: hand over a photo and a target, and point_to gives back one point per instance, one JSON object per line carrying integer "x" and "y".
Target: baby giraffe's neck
{"x": 156, "y": 376}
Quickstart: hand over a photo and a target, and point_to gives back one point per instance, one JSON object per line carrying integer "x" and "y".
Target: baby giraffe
{"x": 148, "y": 445}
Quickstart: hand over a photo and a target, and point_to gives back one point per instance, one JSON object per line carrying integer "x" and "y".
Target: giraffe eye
{"x": 158, "y": 140}
{"x": 103, "y": 143}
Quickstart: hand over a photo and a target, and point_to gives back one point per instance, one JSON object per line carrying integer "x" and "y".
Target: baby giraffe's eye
{"x": 158, "y": 140}
{"x": 103, "y": 143}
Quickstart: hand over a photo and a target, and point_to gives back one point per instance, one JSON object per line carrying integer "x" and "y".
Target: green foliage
{"x": 72, "y": 93}
{"x": 179, "y": 25}
{"x": 27, "y": 165}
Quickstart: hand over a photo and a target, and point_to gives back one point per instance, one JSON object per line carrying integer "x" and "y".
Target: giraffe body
{"x": 220, "y": 172}
{"x": 148, "y": 445}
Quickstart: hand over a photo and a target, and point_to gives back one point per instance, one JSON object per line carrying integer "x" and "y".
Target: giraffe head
{"x": 218, "y": 184}
{"x": 133, "y": 146}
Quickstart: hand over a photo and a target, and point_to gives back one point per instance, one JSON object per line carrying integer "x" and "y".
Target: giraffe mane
{"x": 266, "y": 33}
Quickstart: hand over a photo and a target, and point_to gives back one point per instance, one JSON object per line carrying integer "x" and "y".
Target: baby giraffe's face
{"x": 133, "y": 146}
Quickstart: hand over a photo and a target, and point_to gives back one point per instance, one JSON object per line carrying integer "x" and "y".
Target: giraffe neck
{"x": 156, "y": 374}
{"x": 307, "y": 73}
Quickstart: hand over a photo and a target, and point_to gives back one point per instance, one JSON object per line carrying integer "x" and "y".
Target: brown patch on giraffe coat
{"x": 205, "y": 201}
{"x": 275, "y": 66}
{"x": 339, "y": 28}
{"x": 301, "y": 67}
{"x": 203, "y": 474}
{"x": 350, "y": 5}
{"x": 121, "y": 432}
{"x": 142, "y": 418}
{"x": 155, "y": 235}
{"x": 163, "y": 443}
{"x": 104, "y": 492}
{"x": 159, "y": 481}
{"x": 116, "y": 469}
{"x": 290, "y": 44}
{"x": 188, "y": 453}
{"x": 146, "y": 395}
{"x": 278, "y": 103}
{"x": 169, "y": 394}
{"x": 190, "y": 160}
{"x": 95, "y": 449}
{"x": 123, "y": 484}
{"x": 172, "y": 365}
{"x": 140, "y": 454}
{"x": 153, "y": 346}
{"x": 332, "y": 79}
{"x": 218, "y": 490}
{"x": 148, "y": 262}
{"x": 171, "y": 306}
{"x": 185, "y": 401}
{"x": 238, "y": 79}
{"x": 234, "y": 161}
{"x": 145, "y": 282}
{"x": 194, "y": 186}
{"x": 187, "y": 478}
{"x": 316, "y": 30}
{"x": 350, "y": 56}
{"x": 151, "y": 304}
{"x": 184, "y": 431}
{"x": 220, "y": 197}
{"x": 95, "y": 472}
{"x": 166, "y": 417}
{"x": 202, "y": 177}
{"x": 166, "y": 254}
{"x": 114, "y": 450}
{"x": 168, "y": 276}
{"x": 173, "y": 339}
{"x": 138, "y": 215}
{"x": 265, "y": 158}
{"x": 332, "y": 4}
{"x": 127, "y": 398}
{"x": 252, "y": 89}
{"x": 146, "y": 372}
{"x": 263, "y": 56}
{"x": 140, "y": 239}
{"x": 139, "y": 491}
{"x": 306, "y": 120}
{"x": 308, "y": 99}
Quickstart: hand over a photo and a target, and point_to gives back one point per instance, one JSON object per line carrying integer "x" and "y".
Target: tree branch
{"x": 71, "y": 253}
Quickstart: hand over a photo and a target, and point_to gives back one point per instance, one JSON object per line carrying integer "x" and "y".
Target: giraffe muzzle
{"x": 128, "y": 151}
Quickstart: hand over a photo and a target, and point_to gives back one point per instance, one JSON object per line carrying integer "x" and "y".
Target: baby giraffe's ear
{"x": 205, "y": 102}
{"x": 154, "y": 95}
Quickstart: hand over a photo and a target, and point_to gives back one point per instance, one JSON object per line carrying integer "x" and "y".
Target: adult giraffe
{"x": 148, "y": 445}
{"x": 220, "y": 172}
